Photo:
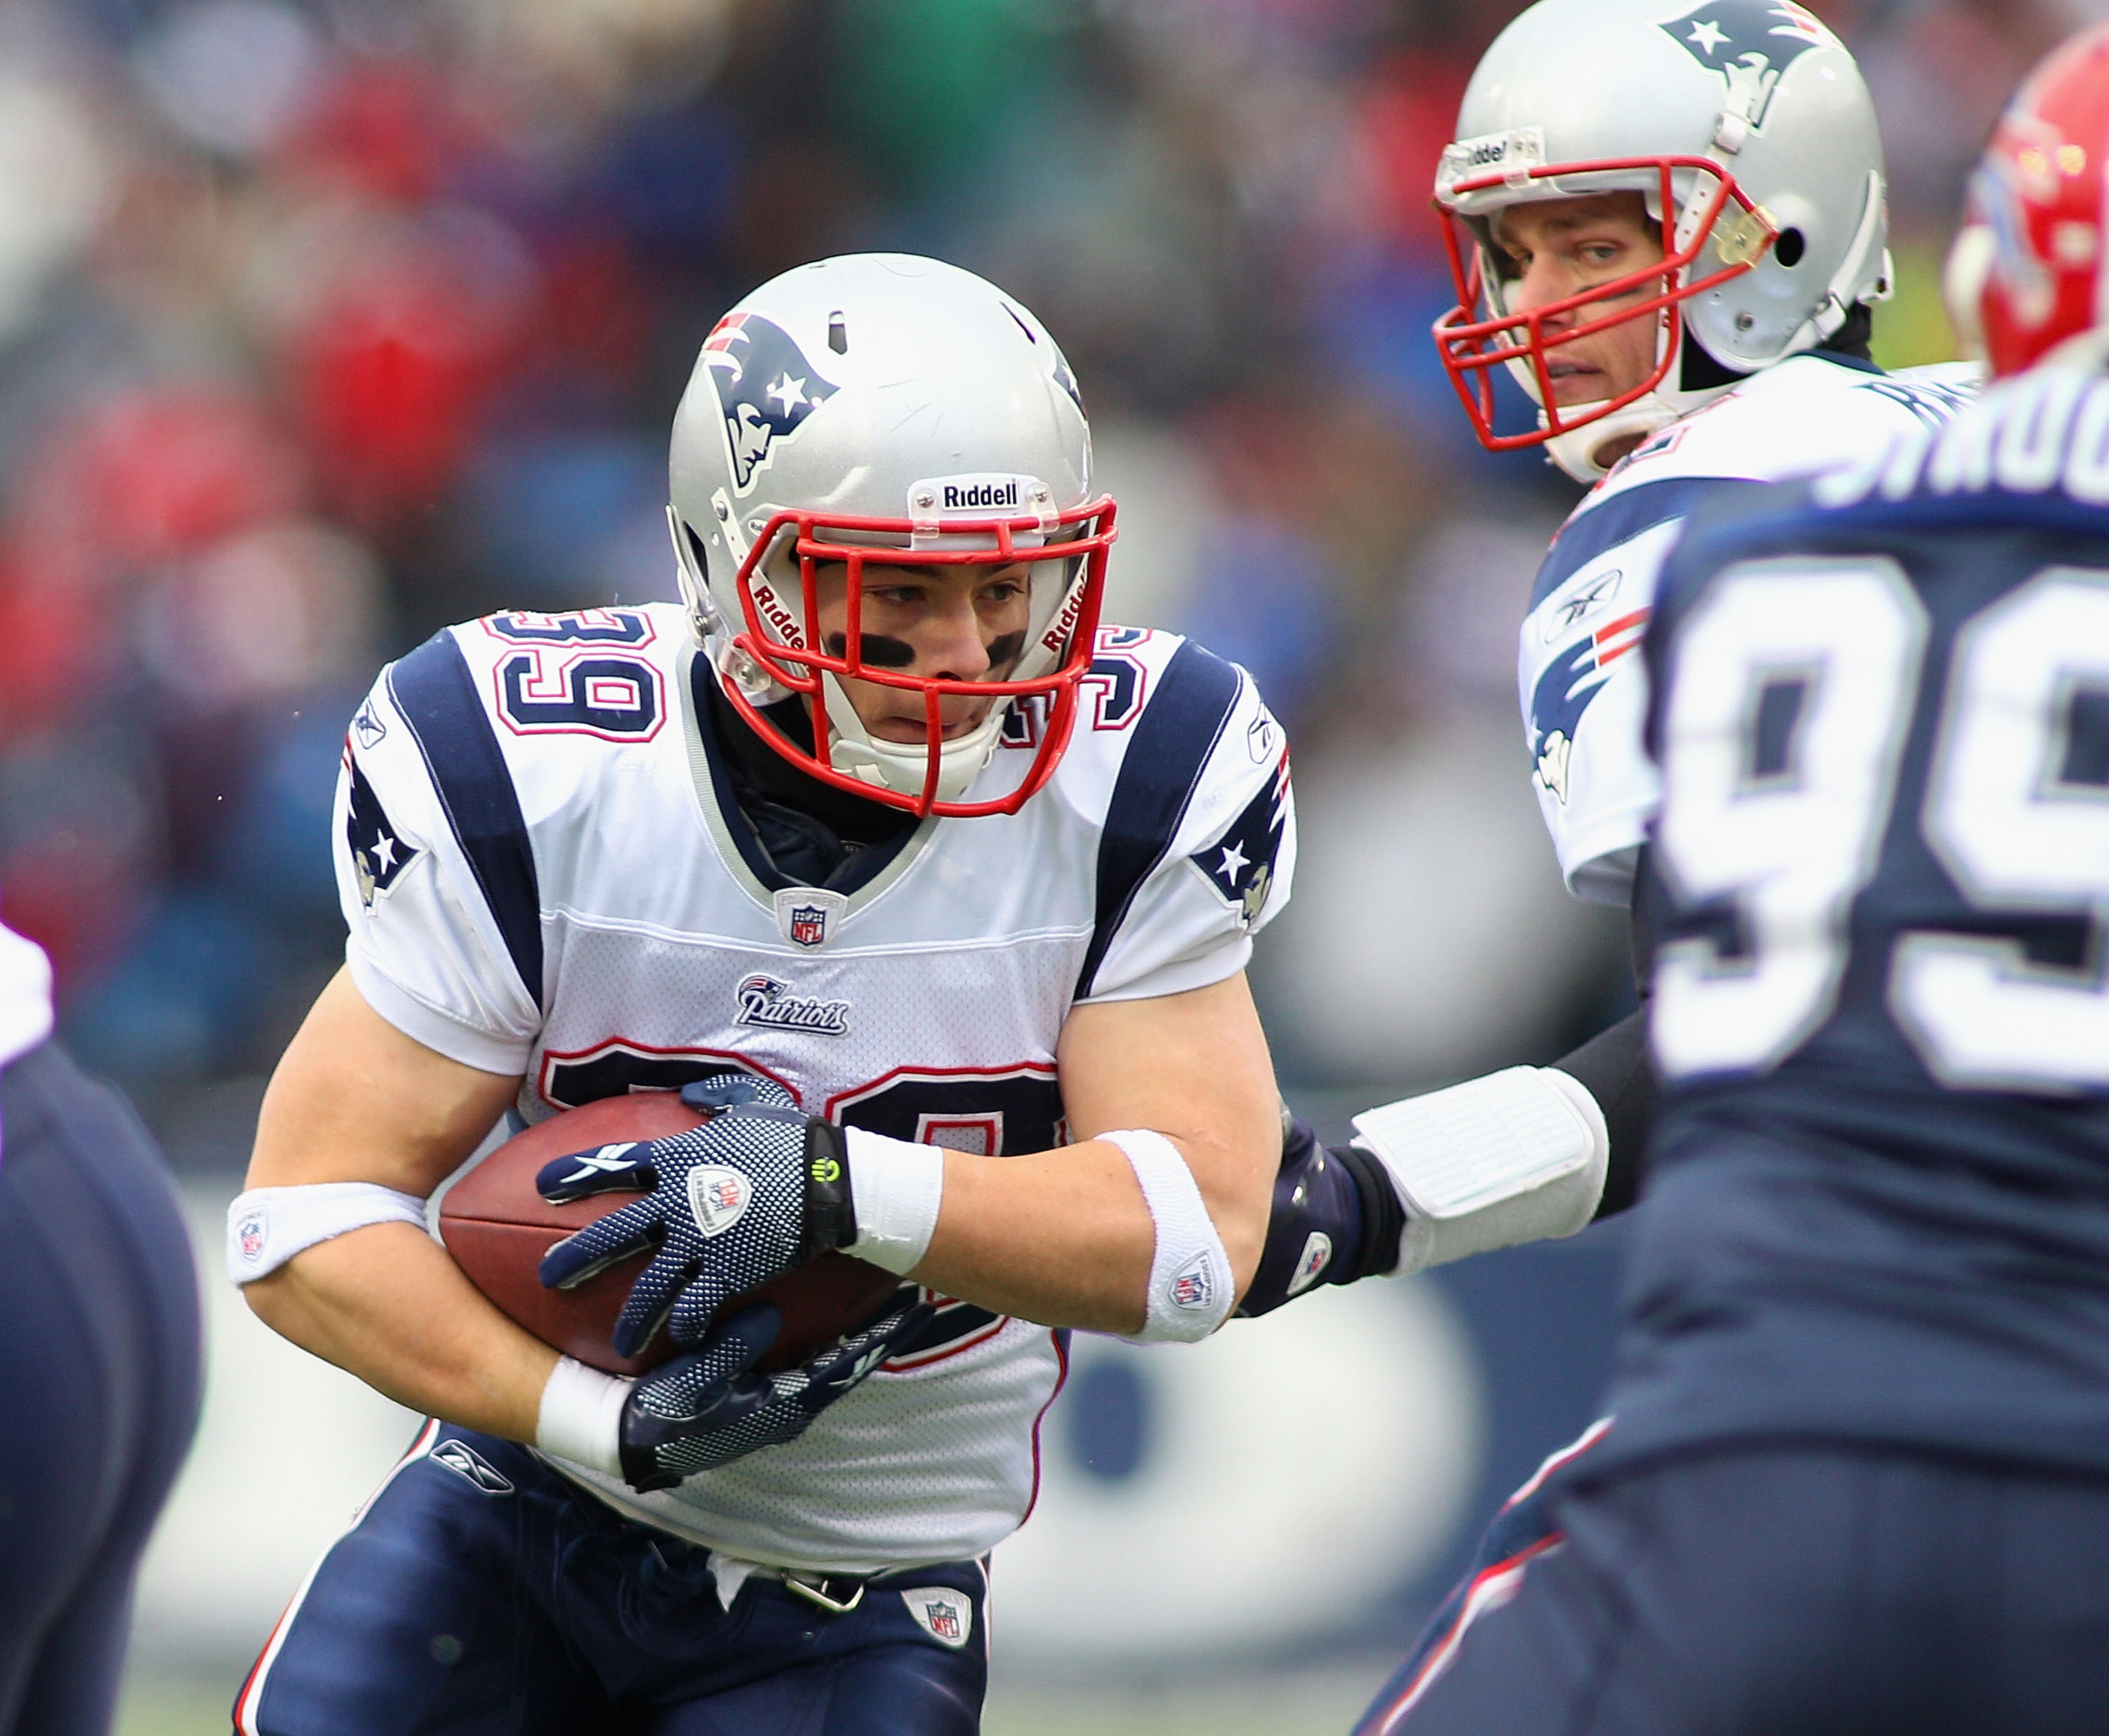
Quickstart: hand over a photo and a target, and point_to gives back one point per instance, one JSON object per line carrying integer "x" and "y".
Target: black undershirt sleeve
{"x": 1615, "y": 1067}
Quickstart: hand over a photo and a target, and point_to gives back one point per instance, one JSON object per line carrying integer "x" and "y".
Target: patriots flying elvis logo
{"x": 1239, "y": 864}
{"x": 1750, "y": 42}
{"x": 378, "y": 853}
{"x": 766, "y": 388}
{"x": 1573, "y": 678}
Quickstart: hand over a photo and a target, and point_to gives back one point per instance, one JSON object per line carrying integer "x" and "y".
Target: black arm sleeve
{"x": 1615, "y": 1067}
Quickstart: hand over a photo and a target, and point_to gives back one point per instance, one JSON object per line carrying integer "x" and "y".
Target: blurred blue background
{"x": 324, "y": 322}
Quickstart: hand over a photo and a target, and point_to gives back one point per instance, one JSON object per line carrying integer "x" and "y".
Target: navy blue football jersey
{"x": 1876, "y": 899}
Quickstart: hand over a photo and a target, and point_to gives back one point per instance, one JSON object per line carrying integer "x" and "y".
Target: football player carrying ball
{"x": 940, "y": 894}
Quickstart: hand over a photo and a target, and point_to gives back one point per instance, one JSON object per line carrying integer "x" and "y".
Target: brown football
{"x": 497, "y": 1227}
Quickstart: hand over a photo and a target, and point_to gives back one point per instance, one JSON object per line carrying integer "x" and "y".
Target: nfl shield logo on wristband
{"x": 1191, "y": 1288}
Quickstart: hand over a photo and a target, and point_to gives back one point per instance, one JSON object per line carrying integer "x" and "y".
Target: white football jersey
{"x": 25, "y": 995}
{"x": 544, "y": 872}
{"x": 1583, "y": 689}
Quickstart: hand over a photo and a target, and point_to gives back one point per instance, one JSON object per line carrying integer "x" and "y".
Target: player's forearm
{"x": 385, "y": 1303}
{"x": 1062, "y": 1236}
{"x": 1068, "y": 1236}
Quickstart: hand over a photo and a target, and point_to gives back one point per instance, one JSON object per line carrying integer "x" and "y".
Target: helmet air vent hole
{"x": 1789, "y": 249}
{"x": 838, "y": 334}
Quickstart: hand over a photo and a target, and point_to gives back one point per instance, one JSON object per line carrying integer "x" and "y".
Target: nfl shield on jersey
{"x": 545, "y": 873}
{"x": 1582, "y": 689}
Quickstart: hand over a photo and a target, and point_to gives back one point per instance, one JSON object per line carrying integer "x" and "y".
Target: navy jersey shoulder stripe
{"x": 1597, "y": 531}
{"x": 1174, "y": 737}
{"x": 437, "y": 696}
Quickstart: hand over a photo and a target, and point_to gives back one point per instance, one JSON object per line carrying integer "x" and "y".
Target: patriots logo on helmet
{"x": 1570, "y": 681}
{"x": 766, "y": 389}
{"x": 378, "y": 853}
{"x": 1749, "y": 40}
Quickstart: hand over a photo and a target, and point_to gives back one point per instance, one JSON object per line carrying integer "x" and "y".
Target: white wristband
{"x": 267, "y": 1226}
{"x": 1191, "y": 1289}
{"x": 581, "y": 1420}
{"x": 896, "y": 1186}
{"x": 1518, "y": 1156}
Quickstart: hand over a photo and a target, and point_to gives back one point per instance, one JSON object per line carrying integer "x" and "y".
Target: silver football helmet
{"x": 1745, "y": 127}
{"x": 882, "y": 410}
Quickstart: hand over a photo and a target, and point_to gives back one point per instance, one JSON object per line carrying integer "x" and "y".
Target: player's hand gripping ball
{"x": 758, "y": 1190}
{"x": 704, "y": 1409}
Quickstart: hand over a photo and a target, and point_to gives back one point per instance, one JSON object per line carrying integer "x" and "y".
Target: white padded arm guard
{"x": 267, "y": 1226}
{"x": 1518, "y": 1155}
{"x": 1191, "y": 1290}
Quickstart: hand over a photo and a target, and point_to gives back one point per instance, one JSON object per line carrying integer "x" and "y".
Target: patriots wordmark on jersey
{"x": 1881, "y": 1199}
{"x": 545, "y": 872}
{"x": 1582, "y": 690}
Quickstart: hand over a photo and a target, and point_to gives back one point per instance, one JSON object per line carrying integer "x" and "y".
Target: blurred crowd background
{"x": 323, "y": 324}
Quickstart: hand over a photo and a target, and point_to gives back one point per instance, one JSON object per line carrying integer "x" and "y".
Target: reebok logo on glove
{"x": 718, "y": 1197}
{"x": 605, "y": 1162}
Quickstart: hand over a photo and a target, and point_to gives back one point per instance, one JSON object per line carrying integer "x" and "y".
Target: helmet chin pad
{"x": 904, "y": 767}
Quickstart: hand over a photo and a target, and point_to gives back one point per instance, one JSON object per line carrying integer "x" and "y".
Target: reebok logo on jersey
{"x": 458, "y": 1457}
{"x": 718, "y": 1197}
{"x": 946, "y": 1615}
{"x": 1576, "y": 608}
{"x": 764, "y": 1001}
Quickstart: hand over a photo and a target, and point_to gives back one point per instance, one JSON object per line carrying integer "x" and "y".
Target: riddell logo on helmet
{"x": 980, "y": 495}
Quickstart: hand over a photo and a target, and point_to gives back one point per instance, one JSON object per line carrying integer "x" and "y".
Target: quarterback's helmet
{"x": 1744, "y": 127}
{"x": 885, "y": 410}
{"x": 2027, "y": 274}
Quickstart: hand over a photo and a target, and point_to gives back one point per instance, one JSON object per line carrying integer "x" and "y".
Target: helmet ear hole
{"x": 1790, "y": 248}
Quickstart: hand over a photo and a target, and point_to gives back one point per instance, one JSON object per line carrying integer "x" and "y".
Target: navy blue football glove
{"x": 758, "y": 1189}
{"x": 708, "y": 1408}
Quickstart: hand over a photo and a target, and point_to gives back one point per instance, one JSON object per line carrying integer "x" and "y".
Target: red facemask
{"x": 782, "y": 636}
{"x": 1470, "y": 347}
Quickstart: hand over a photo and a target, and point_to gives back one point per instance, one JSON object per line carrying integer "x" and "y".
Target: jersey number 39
{"x": 1796, "y": 688}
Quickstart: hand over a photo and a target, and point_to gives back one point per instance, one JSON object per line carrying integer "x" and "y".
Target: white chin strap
{"x": 1575, "y": 450}
{"x": 903, "y": 766}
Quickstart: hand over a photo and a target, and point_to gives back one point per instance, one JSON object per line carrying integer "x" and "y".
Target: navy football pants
{"x": 99, "y": 1385}
{"x": 480, "y": 1593}
{"x": 1788, "y": 1591}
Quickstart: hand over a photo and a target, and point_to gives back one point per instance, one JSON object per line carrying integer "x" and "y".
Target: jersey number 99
{"x": 1793, "y": 698}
